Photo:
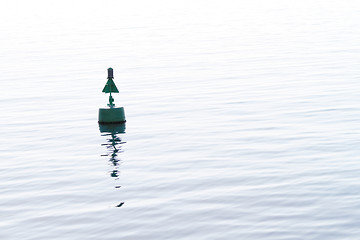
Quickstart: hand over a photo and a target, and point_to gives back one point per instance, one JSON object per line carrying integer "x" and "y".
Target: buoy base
{"x": 112, "y": 128}
{"x": 112, "y": 122}
{"x": 111, "y": 115}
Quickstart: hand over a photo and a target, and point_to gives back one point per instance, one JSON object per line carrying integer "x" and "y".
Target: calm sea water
{"x": 242, "y": 120}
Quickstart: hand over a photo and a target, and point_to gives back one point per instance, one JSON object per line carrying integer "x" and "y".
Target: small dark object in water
{"x": 117, "y": 186}
{"x": 120, "y": 204}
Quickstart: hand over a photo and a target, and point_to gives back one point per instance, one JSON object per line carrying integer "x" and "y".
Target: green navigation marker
{"x": 110, "y": 87}
{"x": 112, "y": 114}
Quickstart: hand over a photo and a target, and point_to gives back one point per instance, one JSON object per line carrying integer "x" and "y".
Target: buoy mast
{"x": 110, "y": 87}
{"x": 110, "y": 77}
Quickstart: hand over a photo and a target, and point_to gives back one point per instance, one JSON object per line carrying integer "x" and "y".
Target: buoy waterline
{"x": 112, "y": 114}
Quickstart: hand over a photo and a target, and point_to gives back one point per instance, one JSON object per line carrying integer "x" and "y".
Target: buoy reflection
{"x": 113, "y": 145}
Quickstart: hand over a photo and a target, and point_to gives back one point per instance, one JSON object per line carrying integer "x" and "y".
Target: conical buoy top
{"x": 110, "y": 85}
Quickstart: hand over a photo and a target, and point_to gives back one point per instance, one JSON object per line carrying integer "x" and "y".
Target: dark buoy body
{"x": 112, "y": 114}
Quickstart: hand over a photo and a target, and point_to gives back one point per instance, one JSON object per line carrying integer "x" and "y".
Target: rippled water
{"x": 242, "y": 120}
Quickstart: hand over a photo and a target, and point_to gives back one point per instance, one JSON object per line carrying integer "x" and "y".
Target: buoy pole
{"x": 111, "y": 100}
{"x": 110, "y": 77}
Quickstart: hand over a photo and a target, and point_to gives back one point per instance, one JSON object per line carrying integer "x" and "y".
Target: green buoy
{"x": 112, "y": 114}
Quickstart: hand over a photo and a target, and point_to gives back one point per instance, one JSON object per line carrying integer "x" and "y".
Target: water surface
{"x": 242, "y": 120}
